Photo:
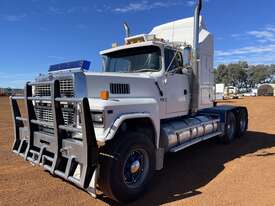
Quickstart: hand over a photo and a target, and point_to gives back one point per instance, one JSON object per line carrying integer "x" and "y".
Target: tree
{"x": 242, "y": 75}
{"x": 232, "y": 74}
{"x": 237, "y": 75}
{"x": 221, "y": 74}
{"x": 258, "y": 75}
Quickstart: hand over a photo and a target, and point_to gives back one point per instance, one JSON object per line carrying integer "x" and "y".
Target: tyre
{"x": 126, "y": 176}
{"x": 242, "y": 122}
{"x": 230, "y": 128}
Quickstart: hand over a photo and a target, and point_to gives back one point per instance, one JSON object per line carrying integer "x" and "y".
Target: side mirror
{"x": 187, "y": 56}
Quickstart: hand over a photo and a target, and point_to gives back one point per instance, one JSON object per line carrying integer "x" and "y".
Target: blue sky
{"x": 37, "y": 33}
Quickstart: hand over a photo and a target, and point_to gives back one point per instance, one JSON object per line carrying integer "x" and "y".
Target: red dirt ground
{"x": 242, "y": 173}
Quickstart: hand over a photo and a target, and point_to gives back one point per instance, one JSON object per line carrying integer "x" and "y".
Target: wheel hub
{"x": 135, "y": 167}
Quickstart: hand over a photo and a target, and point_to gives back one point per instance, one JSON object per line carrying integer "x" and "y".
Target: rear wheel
{"x": 230, "y": 128}
{"x": 125, "y": 176}
{"x": 242, "y": 122}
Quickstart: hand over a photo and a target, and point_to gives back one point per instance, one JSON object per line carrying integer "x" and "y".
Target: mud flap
{"x": 75, "y": 160}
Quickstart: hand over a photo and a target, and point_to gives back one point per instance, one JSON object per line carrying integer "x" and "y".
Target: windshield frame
{"x": 126, "y": 49}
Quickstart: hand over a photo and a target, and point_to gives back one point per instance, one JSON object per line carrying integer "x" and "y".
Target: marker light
{"x": 104, "y": 95}
{"x": 82, "y": 64}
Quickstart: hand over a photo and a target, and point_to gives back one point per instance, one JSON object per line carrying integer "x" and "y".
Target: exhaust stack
{"x": 195, "y": 79}
{"x": 127, "y": 30}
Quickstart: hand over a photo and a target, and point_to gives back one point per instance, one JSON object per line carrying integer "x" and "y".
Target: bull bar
{"x": 75, "y": 160}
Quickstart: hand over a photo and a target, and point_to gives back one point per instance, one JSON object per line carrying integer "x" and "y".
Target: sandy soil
{"x": 242, "y": 173}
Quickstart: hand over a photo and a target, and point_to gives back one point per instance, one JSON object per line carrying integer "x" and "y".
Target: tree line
{"x": 243, "y": 75}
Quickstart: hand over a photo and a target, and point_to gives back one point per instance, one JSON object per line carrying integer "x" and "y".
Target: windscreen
{"x": 139, "y": 59}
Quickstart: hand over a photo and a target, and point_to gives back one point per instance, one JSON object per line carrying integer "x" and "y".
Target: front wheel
{"x": 126, "y": 175}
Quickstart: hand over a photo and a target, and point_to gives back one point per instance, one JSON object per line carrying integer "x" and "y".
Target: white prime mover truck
{"x": 109, "y": 131}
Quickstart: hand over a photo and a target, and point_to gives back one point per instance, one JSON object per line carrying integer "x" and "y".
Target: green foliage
{"x": 242, "y": 75}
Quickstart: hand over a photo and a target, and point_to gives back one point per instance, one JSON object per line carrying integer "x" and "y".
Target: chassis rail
{"x": 75, "y": 160}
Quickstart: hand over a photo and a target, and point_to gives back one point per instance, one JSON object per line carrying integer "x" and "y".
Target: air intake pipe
{"x": 195, "y": 66}
{"x": 127, "y": 30}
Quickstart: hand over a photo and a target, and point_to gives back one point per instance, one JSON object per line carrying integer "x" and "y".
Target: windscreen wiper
{"x": 145, "y": 70}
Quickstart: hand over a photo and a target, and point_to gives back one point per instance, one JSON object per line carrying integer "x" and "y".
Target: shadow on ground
{"x": 186, "y": 171}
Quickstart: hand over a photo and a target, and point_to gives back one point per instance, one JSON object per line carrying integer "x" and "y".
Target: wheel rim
{"x": 135, "y": 168}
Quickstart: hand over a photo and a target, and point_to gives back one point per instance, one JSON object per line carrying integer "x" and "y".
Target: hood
{"x": 121, "y": 85}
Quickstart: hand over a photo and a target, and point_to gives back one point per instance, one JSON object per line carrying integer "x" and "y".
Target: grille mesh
{"x": 43, "y": 110}
{"x": 66, "y": 89}
{"x": 44, "y": 113}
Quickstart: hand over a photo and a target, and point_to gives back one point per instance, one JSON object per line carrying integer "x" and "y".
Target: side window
{"x": 177, "y": 61}
{"x": 169, "y": 54}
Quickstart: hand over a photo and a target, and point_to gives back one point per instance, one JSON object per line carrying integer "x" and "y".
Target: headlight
{"x": 97, "y": 117}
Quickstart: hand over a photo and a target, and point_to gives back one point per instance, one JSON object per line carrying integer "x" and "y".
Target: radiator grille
{"x": 44, "y": 113}
{"x": 43, "y": 110}
{"x": 117, "y": 88}
{"x": 66, "y": 89}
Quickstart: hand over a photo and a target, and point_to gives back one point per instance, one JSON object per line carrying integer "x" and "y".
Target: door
{"x": 176, "y": 84}
{"x": 177, "y": 93}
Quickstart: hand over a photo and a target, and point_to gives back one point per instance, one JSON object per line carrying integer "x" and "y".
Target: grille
{"x": 42, "y": 90}
{"x": 44, "y": 113}
{"x": 66, "y": 89}
{"x": 117, "y": 88}
{"x": 43, "y": 110}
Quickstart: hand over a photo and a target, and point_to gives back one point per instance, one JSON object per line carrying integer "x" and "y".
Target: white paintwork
{"x": 144, "y": 100}
{"x": 177, "y": 101}
{"x": 219, "y": 91}
{"x": 181, "y": 32}
{"x": 148, "y": 43}
{"x": 123, "y": 109}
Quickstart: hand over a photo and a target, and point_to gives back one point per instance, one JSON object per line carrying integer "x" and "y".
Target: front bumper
{"x": 75, "y": 160}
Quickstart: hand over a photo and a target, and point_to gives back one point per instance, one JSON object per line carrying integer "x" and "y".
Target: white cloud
{"x": 262, "y": 58}
{"x": 190, "y": 3}
{"x": 267, "y": 34}
{"x": 261, "y": 34}
{"x": 13, "y": 17}
{"x": 270, "y": 28}
{"x": 253, "y": 54}
{"x": 246, "y": 50}
{"x": 260, "y": 51}
{"x": 148, "y": 5}
{"x": 140, "y": 6}
{"x": 60, "y": 11}
{"x": 77, "y": 9}
{"x": 193, "y": 2}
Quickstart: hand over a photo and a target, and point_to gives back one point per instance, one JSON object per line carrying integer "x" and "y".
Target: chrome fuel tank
{"x": 180, "y": 131}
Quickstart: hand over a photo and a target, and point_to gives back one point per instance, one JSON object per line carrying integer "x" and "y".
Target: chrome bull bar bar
{"x": 75, "y": 160}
